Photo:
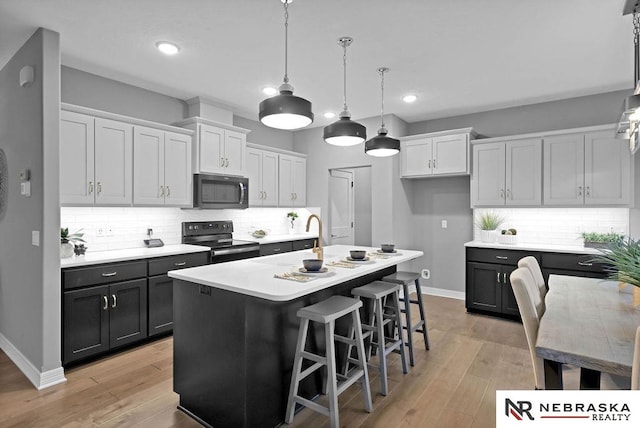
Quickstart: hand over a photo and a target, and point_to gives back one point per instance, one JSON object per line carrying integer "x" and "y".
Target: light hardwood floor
{"x": 452, "y": 385}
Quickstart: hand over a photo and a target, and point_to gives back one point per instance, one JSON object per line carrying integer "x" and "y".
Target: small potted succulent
{"x": 292, "y": 216}
{"x": 508, "y": 236}
{"x": 67, "y": 241}
{"x": 488, "y": 223}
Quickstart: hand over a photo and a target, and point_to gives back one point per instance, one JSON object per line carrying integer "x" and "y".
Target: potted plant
{"x": 292, "y": 216}
{"x": 67, "y": 241}
{"x": 508, "y": 236}
{"x": 488, "y": 222}
{"x": 601, "y": 240}
{"x": 622, "y": 258}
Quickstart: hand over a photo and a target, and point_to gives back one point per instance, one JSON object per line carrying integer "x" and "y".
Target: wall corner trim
{"x": 39, "y": 379}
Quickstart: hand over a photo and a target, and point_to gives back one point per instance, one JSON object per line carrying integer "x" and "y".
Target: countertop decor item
{"x": 259, "y": 233}
{"x": 286, "y": 111}
{"x": 381, "y": 145}
{"x": 67, "y": 241}
{"x": 601, "y": 240}
{"x": 344, "y": 131}
{"x": 488, "y": 222}
{"x": 624, "y": 258}
{"x": 508, "y": 236}
{"x": 292, "y": 216}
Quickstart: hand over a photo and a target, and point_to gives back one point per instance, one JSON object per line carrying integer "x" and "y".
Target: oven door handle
{"x": 241, "y": 193}
{"x": 226, "y": 251}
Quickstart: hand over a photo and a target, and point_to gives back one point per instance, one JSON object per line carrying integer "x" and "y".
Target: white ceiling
{"x": 458, "y": 56}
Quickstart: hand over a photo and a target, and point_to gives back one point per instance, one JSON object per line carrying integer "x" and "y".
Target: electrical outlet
{"x": 444, "y": 224}
{"x": 100, "y": 232}
{"x": 425, "y": 273}
{"x": 108, "y": 231}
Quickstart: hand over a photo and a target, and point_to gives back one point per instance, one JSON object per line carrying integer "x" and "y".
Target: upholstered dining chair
{"x": 532, "y": 264}
{"x": 530, "y": 306}
{"x": 635, "y": 368}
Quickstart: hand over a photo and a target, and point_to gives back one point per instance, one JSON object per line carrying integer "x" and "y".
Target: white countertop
{"x": 575, "y": 249}
{"x": 255, "y": 277}
{"x": 130, "y": 254}
{"x": 277, "y": 238}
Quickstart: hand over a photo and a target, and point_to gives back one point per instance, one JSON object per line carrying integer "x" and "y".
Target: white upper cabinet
{"x": 262, "y": 171}
{"x": 77, "y": 180}
{"x": 218, "y": 148}
{"x": 590, "y": 168}
{"x": 441, "y": 153}
{"x": 292, "y": 181}
{"x": 507, "y": 173}
{"x": 95, "y": 160}
{"x": 161, "y": 167}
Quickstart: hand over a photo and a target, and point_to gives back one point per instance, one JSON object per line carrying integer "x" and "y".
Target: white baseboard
{"x": 441, "y": 292}
{"x": 39, "y": 379}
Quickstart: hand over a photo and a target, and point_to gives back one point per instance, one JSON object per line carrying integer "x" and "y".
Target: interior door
{"x": 341, "y": 207}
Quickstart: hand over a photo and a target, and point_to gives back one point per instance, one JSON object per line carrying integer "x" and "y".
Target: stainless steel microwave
{"x": 220, "y": 191}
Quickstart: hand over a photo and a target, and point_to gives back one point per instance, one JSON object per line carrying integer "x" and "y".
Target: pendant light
{"x": 381, "y": 145}
{"x": 286, "y": 111}
{"x": 344, "y": 131}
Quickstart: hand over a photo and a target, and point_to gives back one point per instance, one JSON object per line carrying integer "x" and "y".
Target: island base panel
{"x": 233, "y": 353}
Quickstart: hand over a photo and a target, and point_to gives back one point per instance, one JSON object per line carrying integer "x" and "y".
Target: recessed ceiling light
{"x": 290, "y": 1}
{"x": 269, "y": 90}
{"x": 168, "y": 48}
{"x": 409, "y": 98}
{"x": 329, "y": 115}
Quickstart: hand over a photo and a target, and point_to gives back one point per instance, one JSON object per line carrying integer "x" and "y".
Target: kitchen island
{"x": 235, "y": 331}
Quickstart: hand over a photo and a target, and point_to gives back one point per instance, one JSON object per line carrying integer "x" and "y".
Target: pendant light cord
{"x": 636, "y": 43}
{"x": 286, "y": 39}
{"x": 344, "y": 60}
{"x": 382, "y": 71}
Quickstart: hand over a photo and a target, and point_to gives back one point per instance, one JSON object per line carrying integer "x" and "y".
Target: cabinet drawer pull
{"x": 115, "y": 302}
{"x": 161, "y": 191}
{"x": 429, "y": 163}
{"x": 99, "y": 187}
{"x": 498, "y": 277}
{"x": 221, "y": 162}
{"x": 168, "y": 192}
{"x": 501, "y": 193}
{"x": 504, "y": 278}
{"x": 585, "y": 264}
{"x": 180, "y": 264}
{"x": 579, "y": 190}
{"x": 106, "y": 303}
{"x": 509, "y": 195}
{"x": 106, "y": 275}
{"x": 90, "y": 187}
{"x": 434, "y": 164}
{"x": 502, "y": 257}
{"x": 588, "y": 190}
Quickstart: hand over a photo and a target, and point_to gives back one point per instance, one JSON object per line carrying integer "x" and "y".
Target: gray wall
{"x": 362, "y": 208}
{"x": 264, "y": 135}
{"x": 599, "y": 109}
{"x": 30, "y": 275}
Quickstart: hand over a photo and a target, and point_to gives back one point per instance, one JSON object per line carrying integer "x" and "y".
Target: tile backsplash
{"x": 559, "y": 226}
{"x": 126, "y": 227}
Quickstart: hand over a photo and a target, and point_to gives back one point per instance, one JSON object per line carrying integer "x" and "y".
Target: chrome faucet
{"x": 316, "y": 249}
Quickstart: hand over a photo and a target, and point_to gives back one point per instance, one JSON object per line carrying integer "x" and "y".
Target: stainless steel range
{"x": 218, "y": 235}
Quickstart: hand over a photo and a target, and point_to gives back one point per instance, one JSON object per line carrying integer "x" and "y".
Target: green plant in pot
{"x": 601, "y": 240}
{"x": 292, "y": 216}
{"x": 623, "y": 260}
{"x": 488, "y": 222}
{"x": 67, "y": 241}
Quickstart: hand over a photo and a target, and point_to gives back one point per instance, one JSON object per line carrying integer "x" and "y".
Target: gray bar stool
{"x": 378, "y": 292}
{"x": 327, "y": 312}
{"x": 405, "y": 279}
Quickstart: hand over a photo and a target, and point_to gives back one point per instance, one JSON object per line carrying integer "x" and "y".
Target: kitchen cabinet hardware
{"x": 585, "y": 263}
{"x": 115, "y": 301}
{"x": 434, "y": 164}
{"x": 90, "y": 187}
{"x": 168, "y": 192}
{"x": 99, "y": 188}
{"x": 588, "y": 191}
{"x": 502, "y": 257}
{"x": 429, "y": 164}
{"x": 161, "y": 191}
{"x": 504, "y": 278}
{"x": 106, "y": 275}
{"x": 106, "y": 303}
{"x": 501, "y": 193}
{"x": 579, "y": 190}
{"x": 180, "y": 264}
{"x": 498, "y": 277}
{"x": 509, "y": 195}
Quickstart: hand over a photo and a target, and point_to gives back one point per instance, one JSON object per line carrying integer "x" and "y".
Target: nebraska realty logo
{"x": 567, "y": 408}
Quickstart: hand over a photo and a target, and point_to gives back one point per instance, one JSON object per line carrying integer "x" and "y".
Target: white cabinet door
{"x": 77, "y": 184}
{"x": 113, "y": 162}
{"x": 234, "y": 152}
{"x": 148, "y": 166}
{"x": 299, "y": 182}
{"x": 178, "y": 180}
{"x": 210, "y": 149}
{"x": 523, "y": 173}
{"x": 488, "y": 180}
{"x": 254, "y": 174}
{"x": 564, "y": 170}
{"x": 270, "y": 179}
{"x": 450, "y": 154}
{"x": 285, "y": 177}
{"x": 415, "y": 157}
{"x": 607, "y": 168}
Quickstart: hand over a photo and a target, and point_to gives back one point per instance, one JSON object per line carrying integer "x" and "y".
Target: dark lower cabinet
{"x": 100, "y": 318}
{"x": 160, "y": 305}
{"x": 303, "y": 244}
{"x": 489, "y": 288}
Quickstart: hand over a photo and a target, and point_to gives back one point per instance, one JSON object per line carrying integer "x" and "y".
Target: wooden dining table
{"x": 589, "y": 323}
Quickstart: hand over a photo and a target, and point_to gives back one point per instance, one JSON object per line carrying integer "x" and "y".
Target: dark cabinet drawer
{"x": 103, "y": 274}
{"x": 572, "y": 262}
{"x": 275, "y": 248}
{"x": 503, "y": 257}
{"x": 303, "y": 244}
{"x": 162, "y": 265}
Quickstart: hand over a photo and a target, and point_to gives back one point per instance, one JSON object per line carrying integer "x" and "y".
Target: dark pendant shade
{"x": 381, "y": 145}
{"x": 285, "y": 111}
{"x": 345, "y": 132}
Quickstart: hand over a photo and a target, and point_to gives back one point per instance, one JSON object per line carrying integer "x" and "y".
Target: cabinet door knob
{"x": 115, "y": 302}
{"x": 429, "y": 163}
{"x": 161, "y": 191}
{"x": 509, "y": 195}
{"x": 501, "y": 193}
{"x": 221, "y": 162}
{"x": 588, "y": 191}
{"x": 90, "y": 187}
{"x": 99, "y": 187}
{"x": 106, "y": 303}
{"x": 227, "y": 162}
{"x": 168, "y": 192}
{"x": 579, "y": 190}
{"x": 504, "y": 278}
{"x": 498, "y": 277}
{"x": 434, "y": 164}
